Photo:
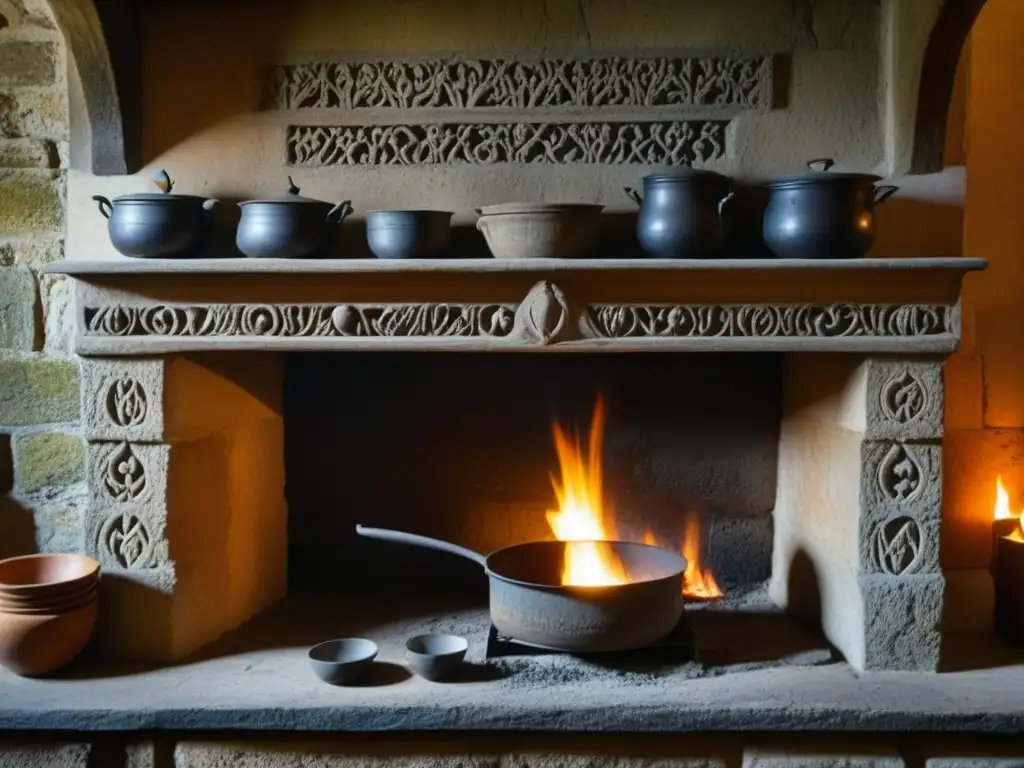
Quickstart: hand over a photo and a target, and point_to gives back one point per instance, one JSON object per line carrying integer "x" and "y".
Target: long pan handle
{"x": 421, "y": 541}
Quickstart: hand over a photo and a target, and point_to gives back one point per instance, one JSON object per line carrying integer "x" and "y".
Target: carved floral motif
{"x": 903, "y": 398}
{"x": 753, "y": 320}
{"x": 657, "y": 143}
{"x": 743, "y": 82}
{"x": 125, "y": 540}
{"x": 124, "y": 476}
{"x": 899, "y": 475}
{"x": 898, "y": 546}
{"x": 126, "y": 402}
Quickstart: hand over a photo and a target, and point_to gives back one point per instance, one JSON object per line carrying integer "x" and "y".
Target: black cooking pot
{"x": 288, "y": 227}
{"x": 681, "y": 213}
{"x": 158, "y": 225}
{"x": 823, "y": 215}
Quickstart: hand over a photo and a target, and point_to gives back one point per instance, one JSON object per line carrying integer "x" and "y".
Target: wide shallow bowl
{"x": 436, "y": 657}
{"x": 342, "y": 661}
{"x": 38, "y": 644}
{"x": 46, "y": 576}
{"x": 408, "y": 234}
{"x": 50, "y": 605}
{"x": 540, "y": 230}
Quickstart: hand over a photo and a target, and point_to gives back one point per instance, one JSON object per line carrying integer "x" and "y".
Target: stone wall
{"x": 41, "y": 451}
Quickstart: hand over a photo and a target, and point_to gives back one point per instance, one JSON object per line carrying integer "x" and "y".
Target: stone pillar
{"x": 186, "y": 497}
{"x": 859, "y": 505}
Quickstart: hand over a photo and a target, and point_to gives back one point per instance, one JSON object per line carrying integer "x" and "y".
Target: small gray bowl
{"x": 408, "y": 234}
{"x": 340, "y": 662}
{"x": 436, "y": 657}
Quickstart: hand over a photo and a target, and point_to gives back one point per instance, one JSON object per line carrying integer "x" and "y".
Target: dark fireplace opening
{"x": 460, "y": 447}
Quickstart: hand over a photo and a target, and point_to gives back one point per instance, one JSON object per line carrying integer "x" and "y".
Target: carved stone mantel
{"x": 139, "y": 307}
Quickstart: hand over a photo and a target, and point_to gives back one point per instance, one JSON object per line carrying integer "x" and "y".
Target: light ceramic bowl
{"x": 40, "y": 644}
{"x": 46, "y": 576}
{"x": 342, "y": 661}
{"x": 540, "y": 230}
{"x": 436, "y": 657}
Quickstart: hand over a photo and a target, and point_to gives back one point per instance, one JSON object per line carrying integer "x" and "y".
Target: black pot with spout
{"x": 681, "y": 213}
{"x": 823, "y": 215}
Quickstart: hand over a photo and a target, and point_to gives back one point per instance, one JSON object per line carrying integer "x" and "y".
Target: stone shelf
{"x": 138, "y": 307}
{"x": 258, "y": 678}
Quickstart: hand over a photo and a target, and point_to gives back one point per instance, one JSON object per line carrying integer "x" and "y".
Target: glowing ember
{"x": 697, "y": 582}
{"x": 1002, "y": 511}
{"x": 580, "y": 519}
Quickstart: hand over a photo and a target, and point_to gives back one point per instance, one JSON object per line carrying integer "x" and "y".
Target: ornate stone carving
{"x": 768, "y": 320}
{"x": 903, "y": 398}
{"x": 742, "y": 82}
{"x": 542, "y": 316}
{"x": 126, "y": 402}
{"x": 124, "y": 539}
{"x": 124, "y": 476}
{"x": 899, "y": 474}
{"x": 655, "y": 143}
{"x": 299, "y": 320}
{"x": 898, "y": 544}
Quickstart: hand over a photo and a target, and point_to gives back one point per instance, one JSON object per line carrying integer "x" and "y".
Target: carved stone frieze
{"x": 302, "y": 320}
{"x": 683, "y": 142}
{"x": 772, "y": 320}
{"x": 722, "y": 81}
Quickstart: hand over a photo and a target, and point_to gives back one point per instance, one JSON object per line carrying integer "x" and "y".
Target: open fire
{"x": 582, "y": 519}
{"x": 1002, "y": 511}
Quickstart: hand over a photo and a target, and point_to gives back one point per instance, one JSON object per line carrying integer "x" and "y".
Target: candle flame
{"x": 1002, "y": 511}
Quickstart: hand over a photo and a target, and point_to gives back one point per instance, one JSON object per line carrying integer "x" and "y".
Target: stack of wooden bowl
{"x": 47, "y": 610}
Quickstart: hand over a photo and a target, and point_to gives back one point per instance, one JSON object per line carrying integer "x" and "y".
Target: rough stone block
{"x": 964, "y": 392}
{"x": 56, "y": 294}
{"x": 127, "y": 475}
{"x": 18, "y": 301}
{"x": 975, "y": 762}
{"x": 39, "y": 113}
{"x": 33, "y": 252}
{"x": 43, "y": 755}
{"x": 904, "y": 400}
{"x": 312, "y": 755}
{"x": 123, "y": 399}
{"x": 59, "y": 527}
{"x": 822, "y": 757}
{"x": 739, "y": 549}
{"x": 900, "y": 476}
{"x": 36, "y": 391}
{"x": 28, "y": 153}
{"x": 972, "y": 460}
{"x": 31, "y": 203}
{"x": 28, "y": 63}
{"x": 48, "y": 461}
{"x": 901, "y": 621}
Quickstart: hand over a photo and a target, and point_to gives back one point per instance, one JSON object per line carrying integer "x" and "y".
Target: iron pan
{"x": 528, "y": 602}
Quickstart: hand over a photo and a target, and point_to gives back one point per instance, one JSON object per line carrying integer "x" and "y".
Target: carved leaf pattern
{"x": 125, "y": 540}
{"x": 125, "y": 475}
{"x": 650, "y": 143}
{"x": 898, "y": 546}
{"x": 903, "y": 398}
{"x": 126, "y": 402}
{"x": 494, "y": 83}
{"x": 899, "y": 475}
{"x": 751, "y": 320}
{"x": 303, "y": 320}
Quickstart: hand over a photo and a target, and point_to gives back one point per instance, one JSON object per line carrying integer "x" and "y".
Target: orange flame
{"x": 697, "y": 581}
{"x": 580, "y": 517}
{"x": 1002, "y": 510}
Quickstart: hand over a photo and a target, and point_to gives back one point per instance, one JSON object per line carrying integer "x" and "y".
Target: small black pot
{"x": 289, "y": 227}
{"x": 158, "y": 225}
{"x": 408, "y": 234}
{"x": 681, "y": 214}
{"x": 823, "y": 215}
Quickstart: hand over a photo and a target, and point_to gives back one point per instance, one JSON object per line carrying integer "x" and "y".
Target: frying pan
{"x": 529, "y": 603}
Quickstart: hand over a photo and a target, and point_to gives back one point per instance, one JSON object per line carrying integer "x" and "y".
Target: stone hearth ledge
{"x": 138, "y": 307}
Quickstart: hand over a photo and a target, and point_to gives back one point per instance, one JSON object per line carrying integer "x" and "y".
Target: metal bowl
{"x": 436, "y": 657}
{"x": 342, "y": 661}
{"x": 408, "y": 234}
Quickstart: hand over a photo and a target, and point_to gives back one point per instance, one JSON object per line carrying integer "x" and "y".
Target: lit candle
{"x": 1008, "y": 568}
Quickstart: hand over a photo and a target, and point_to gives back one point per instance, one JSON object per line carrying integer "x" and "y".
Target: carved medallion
{"x": 542, "y": 315}
{"x": 898, "y": 545}
{"x": 125, "y": 475}
{"x": 899, "y": 475}
{"x": 126, "y": 402}
{"x": 125, "y": 540}
{"x": 903, "y": 397}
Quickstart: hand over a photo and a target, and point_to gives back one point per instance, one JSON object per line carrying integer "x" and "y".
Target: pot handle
{"x": 883, "y": 192}
{"x": 105, "y": 207}
{"x": 826, "y": 163}
{"x": 421, "y": 541}
{"x": 723, "y": 201}
{"x": 480, "y": 224}
{"x": 210, "y": 204}
{"x": 633, "y": 195}
{"x": 340, "y": 212}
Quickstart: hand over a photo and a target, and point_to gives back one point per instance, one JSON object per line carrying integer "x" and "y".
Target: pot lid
{"x": 165, "y": 184}
{"x": 291, "y": 197}
{"x": 824, "y": 174}
{"x": 685, "y": 174}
